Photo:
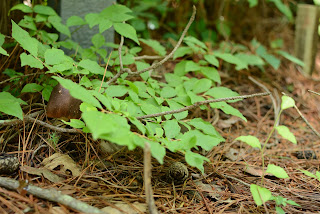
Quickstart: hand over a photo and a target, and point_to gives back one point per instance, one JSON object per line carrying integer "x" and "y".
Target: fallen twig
{"x": 147, "y": 180}
{"x": 307, "y": 122}
{"x": 202, "y": 103}
{"x": 30, "y": 118}
{"x": 276, "y": 109}
{"x": 51, "y": 195}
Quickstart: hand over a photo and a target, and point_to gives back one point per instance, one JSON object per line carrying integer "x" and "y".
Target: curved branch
{"x": 174, "y": 49}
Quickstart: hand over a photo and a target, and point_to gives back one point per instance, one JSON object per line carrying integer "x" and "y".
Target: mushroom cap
{"x": 62, "y": 105}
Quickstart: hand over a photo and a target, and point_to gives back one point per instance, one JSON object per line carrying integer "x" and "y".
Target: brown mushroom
{"x": 62, "y": 105}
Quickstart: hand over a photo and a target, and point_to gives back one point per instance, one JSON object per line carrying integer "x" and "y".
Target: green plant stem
{"x": 265, "y": 143}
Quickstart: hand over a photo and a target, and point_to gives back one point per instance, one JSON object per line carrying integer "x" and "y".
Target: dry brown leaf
{"x": 133, "y": 208}
{"x": 42, "y": 172}
{"x": 62, "y": 160}
{"x": 255, "y": 171}
{"x": 211, "y": 190}
{"x": 234, "y": 154}
{"x": 229, "y": 122}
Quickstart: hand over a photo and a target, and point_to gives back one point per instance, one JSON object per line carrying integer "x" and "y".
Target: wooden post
{"x": 306, "y": 35}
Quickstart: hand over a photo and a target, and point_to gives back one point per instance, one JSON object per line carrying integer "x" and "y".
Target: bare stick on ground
{"x": 51, "y": 195}
{"x": 30, "y": 118}
{"x": 147, "y": 180}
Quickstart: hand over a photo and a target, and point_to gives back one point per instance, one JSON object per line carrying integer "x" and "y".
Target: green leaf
{"x": 232, "y": 59}
{"x": 277, "y": 171}
{"x": 155, "y": 45}
{"x": 110, "y": 127}
{"x": 180, "y": 68}
{"x": 211, "y": 73}
{"x": 85, "y": 82}
{"x": 204, "y": 126}
{"x": 307, "y": 173}
{"x": 173, "y": 106}
{"x": 207, "y": 142}
{"x": 30, "y": 60}
{"x": 212, "y": 60}
{"x": 22, "y": 7}
{"x": 228, "y": 109}
{"x": 11, "y": 105}
{"x": 250, "y": 140}
{"x": 202, "y": 85}
{"x": 98, "y": 40}
{"x": 191, "y": 39}
{"x": 45, "y": 10}
{"x": 171, "y": 128}
{"x": 105, "y": 100}
{"x": 168, "y": 92}
{"x": 181, "y": 51}
{"x": 222, "y": 92}
{"x": 185, "y": 144}
{"x": 279, "y": 210}
{"x": 56, "y": 22}
{"x": 46, "y": 92}
{"x": 93, "y": 67}
{"x": 283, "y": 8}
{"x": 92, "y": 19}
{"x": 116, "y": 13}
{"x": 31, "y": 87}
{"x": 291, "y": 58}
{"x": 286, "y": 134}
{"x": 116, "y": 90}
{"x": 104, "y": 25}
{"x": 293, "y": 203}
{"x": 253, "y": 3}
{"x": 157, "y": 151}
{"x": 196, "y": 160}
{"x": 75, "y": 123}
{"x": 260, "y": 194}
{"x": 191, "y": 66}
{"x": 138, "y": 124}
{"x": 250, "y": 59}
{"x": 287, "y": 102}
{"x": 318, "y": 175}
{"x": 75, "y": 21}
{"x": 78, "y": 91}
{"x": 24, "y": 39}
{"x": 272, "y": 60}
{"x": 127, "y": 31}
{"x": 28, "y": 22}
{"x": 3, "y": 52}
{"x": 54, "y": 56}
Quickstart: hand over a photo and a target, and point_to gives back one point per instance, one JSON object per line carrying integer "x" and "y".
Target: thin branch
{"x": 119, "y": 51}
{"x": 51, "y": 195}
{"x": 12, "y": 78}
{"x": 307, "y": 122}
{"x": 47, "y": 125}
{"x": 121, "y": 71}
{"x": 174, "y": 49}
{"x": 147, "y": 180}
{"x": 105, "y": 70}
{"x": 202, "y": 103}
{"x": 314, "y": 92}
{"x": 276, "y": 108}
{"x": 148, "y": 57}
{"x": 30, "y": 118}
